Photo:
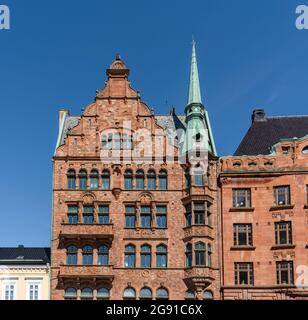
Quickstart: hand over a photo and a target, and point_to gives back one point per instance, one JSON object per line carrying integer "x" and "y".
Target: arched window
{"x": 106, "y": 180}
{"x": 209, "y": 255}
{"x": 145, "y": 256}
{"x": 162, "y": 180}
{"x": 198, "y": 176}
{"x": 86, "y": 294}
{"x": 94, "y": 180}
{"x": 187, "y": 178}
{"x": 71, "y": 179}
{"x": 208, "y": 295}
{"x": 104, "y": 142}
{"x": 129, "y": 294}
{"x": 130, "y": 256}
{"x": 162, "y": 294}
{"x": 103, "y": 255}
{"x": 145, "y": 293}
{"x": 71, "y": 255}
{"x": 87, "y": 255}
{"x": 188, "y": 254}
{"x": 200, "y": 254}
{"x": 139, "y": 180}
{"x": 128, "y": 180}
{"x": 190, "y": 295}
{"x": 151, "y": 177}
{"x": 161, "y": 256}
{"x": 116, "y": 141}
{"x": 82, "y": 179}
{"x": 70, "y": 294}
{"x": 102, "y": 294}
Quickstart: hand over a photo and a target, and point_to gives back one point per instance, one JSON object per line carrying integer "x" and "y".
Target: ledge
{"x": 283, "y": 246}
{"x": 285, "y": 207}
{"x": 242, "y": 209}
{"x": 234, "y": 248}
{"x": 269, "y": 287}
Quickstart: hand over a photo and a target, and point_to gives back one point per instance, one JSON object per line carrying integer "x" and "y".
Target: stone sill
{"x": 139, "y": 228}
{"x": 233, "y": 248}
{"x": 198, "y": 226}
{"x": 284, "y": 207}
{"x": 283, "y": 246}
{"x": 246, "y": 286}
{"x": 242, "y": 209}
{"x": 86, "y": 224}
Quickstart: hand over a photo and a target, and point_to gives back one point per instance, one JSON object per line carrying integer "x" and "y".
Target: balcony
{"x": 197, "y": 231}
{"x": 200, "y": 275}
{"x": 89, "y": 271}
{"x": 86, "y": 231}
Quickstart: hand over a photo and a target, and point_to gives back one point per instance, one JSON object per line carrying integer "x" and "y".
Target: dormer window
{"x": 305, "y": 150}
{"x": 285, "y": 150}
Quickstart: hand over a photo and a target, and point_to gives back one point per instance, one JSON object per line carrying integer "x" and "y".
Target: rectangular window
{"x": 33, "y": 291}
{"x": 130, "y": 217}
{"x": 199, "y": 213}
{"x": 243, "y": 274}
{"x": 283, "y": 233}
{"x": 161, "y": 217}
{"x": 9, "y": 291}
{"x": 209, "y": 213}
{"x": 145, "y": 217}
{"x": 241, "y": 198}
{"x": 188, "y": 215}
{"x": 285, "y": 273}
{"x": 103, "y": 214}
{"x": 307, "y": 194}
{"x": 72, "y": 214}
{"x": 88, "y": 217}
{"x": 242, "y": 234}
{"x": 282, "y": 196}
{"x": 128, "y": 183}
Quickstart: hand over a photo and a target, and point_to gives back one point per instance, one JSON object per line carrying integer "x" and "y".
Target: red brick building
{"x": 143, "y": 208}
{"x": 140, "y": 228}
{"x": 264, "y": 197}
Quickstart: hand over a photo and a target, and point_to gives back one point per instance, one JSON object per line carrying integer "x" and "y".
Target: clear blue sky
{"x": 250, "y": 55}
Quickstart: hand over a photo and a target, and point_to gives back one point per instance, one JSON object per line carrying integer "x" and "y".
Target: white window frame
{"x": 9, "y": 283}
{"x": 33, "y": 283}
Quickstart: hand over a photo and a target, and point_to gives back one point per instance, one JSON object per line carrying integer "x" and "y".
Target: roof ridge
{"x": 291, "y": 116}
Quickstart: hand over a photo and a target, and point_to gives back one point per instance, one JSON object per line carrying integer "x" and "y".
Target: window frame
{"x": 244, "y": 267}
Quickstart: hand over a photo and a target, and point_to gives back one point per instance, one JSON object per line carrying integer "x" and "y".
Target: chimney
{"x": 62, "y": 114}
{"x": 258, "y": 115}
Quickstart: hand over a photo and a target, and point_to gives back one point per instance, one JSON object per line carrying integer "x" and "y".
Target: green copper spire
{"x": 194, "y": 95}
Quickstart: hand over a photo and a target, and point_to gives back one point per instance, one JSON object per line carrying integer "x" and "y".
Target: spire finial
{"x": 194, "y": 95}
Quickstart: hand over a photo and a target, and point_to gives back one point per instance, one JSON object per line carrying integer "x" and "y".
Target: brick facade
{"x": 79, "y": 148}
{"x": 114, "y": 105}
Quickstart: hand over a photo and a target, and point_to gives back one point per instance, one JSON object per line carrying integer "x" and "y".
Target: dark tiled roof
{"x": 24, "y": 256}
{"x": 267, "y": 131}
